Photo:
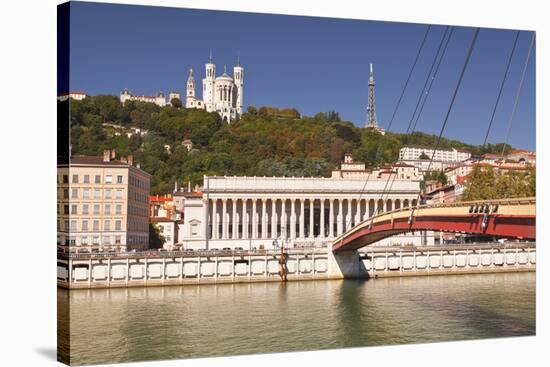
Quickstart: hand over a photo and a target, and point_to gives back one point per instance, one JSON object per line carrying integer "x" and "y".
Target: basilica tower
{"x": 238, "y": 76}
{"x": 208, "y": 84}
{"x": 190, "y": 96}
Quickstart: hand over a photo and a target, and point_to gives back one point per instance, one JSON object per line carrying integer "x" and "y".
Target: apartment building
{"x": 103, "y": 204}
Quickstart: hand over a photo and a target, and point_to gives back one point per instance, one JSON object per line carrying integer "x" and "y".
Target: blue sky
{"x": 309, "y": 63}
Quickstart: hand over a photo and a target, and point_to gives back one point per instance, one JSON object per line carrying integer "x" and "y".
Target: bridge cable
{"x": 464, "y": 67}
{"x": 379, "y": 148}
{"x": 512, "y": 116}
{"x": 423, "y": 93}
{"x": 474, "y": 177}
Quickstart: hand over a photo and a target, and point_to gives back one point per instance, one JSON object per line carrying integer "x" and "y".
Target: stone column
{"x": 302, "y": 204}
{"x": 339, "y": 218}
{"x": 311, "y": 209}
{"x": 264, "y": 218}
{"x": 244, "y": 212}
{"x": 215, "y": 219}
{"x": 331, "y": 219}
{"x": 254, "y": 220}
{"x": 283, "y": 219}
{"x": 273, "y": 218}
{"x": 224, "y": 218}
{"x": 234, "y": 219}
{"x": 322, "y": 219}
{"x": 293, "y": 218}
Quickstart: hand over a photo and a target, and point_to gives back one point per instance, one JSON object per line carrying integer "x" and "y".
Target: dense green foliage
{"x": 485, "y": 183}
{"x": 264, "y": 142}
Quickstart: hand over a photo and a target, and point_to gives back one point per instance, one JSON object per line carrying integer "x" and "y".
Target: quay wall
{"x": 135, "y": 270}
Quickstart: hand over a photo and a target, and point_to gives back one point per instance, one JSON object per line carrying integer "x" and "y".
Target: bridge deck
{"x": 502, "y": 218}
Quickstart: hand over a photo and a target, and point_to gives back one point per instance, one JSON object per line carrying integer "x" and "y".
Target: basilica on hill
{"x": 222, "y": 94}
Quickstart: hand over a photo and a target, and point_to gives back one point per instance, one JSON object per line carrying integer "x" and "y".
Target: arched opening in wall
{"x": 406, "y": 203}
{"x": 388, "y": 205}
{"x": 414, "y": 202}
{"x": 225, "y": 119}
{"x": 397, "y": 204}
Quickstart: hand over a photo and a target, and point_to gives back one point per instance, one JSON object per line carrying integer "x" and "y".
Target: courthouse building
{"x": 102, "y": 204}
{"x": 263, "y": 212}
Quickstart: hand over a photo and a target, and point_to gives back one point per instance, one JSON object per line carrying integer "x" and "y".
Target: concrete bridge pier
{"x": 346, "y": 265}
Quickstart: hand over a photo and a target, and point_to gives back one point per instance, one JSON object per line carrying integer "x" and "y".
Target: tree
{"x": 156, "y": 239}
{"x": 176, "y": 102}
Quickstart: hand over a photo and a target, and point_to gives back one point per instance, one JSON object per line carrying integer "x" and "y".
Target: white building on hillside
{"x": 159, "y": 99}
{"x": 445, "y": 155}
{"x": 78, "y": 96}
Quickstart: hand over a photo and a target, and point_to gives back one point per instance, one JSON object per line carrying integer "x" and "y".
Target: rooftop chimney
{"x": 123, "y": 159}
{"x": 131, "y": 160}
{"x": 113, "y": 154}
{"x": 106, "y": 156}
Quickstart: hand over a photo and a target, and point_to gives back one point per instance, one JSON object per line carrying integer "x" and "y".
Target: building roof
{"x": 69, "y": 93}
{"x": 92, "y": 160}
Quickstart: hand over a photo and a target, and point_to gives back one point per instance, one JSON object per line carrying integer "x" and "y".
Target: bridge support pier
{"x": 346, "y": 265}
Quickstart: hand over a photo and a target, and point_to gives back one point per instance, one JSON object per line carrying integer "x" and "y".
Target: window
{"x": 107, "y": 208}
{"x": 95, "y": 240}
{"x": 86, "y": 193}
{"x": 117, "y": 240}
{"x": 97, "y": 179}
{"x": 96, "y": 209}
{"x": 108, "y": 179}
{"x": 96, "y": 225}
{"x": 97, "y": 193}
{"x": 65, "y": 179}
{"x": 107, "y": 225}
{"x": 74, "y": 208}
{"x": 84, "y": 240}
{"x": 84, "y": 225}
{"x": 118, "y": 225}
{"x": 119, "y": 194}
{"x": 66, "y": 193}
{"x": 106, "y": 240}
{"x": 65, "y": 225}
{"x": 85, "y": 209}
{"x": 118, "y": 209}
{"x": 107, "y": 193}
{"x": 118, "y": 179}
{"x": 66, "y": 209}
{"x": 194, "y": 229}
{"x": 75, "y": 178}
{"x": 73, "y": 225}
{"x": 74, "y": 194}
{"x": 86, "y": 179}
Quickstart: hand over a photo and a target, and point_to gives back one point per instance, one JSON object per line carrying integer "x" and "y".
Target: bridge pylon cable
{"x": 518, "y": 93}
{"x": 455, "y": 93}
{"x": 474, "y": 177}
{"x": 423, "y": 93}
{"x": 378, "y": 155}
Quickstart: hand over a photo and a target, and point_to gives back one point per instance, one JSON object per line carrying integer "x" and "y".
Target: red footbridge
{"x": 506, "y": 218}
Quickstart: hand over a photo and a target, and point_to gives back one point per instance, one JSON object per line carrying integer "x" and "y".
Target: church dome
{"x": 224, "y": 76}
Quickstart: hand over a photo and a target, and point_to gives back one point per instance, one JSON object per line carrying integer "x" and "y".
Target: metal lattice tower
{"x": 372, "y": 122}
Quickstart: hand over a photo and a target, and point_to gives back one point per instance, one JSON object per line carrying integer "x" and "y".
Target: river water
{"x": 117, "y": 325}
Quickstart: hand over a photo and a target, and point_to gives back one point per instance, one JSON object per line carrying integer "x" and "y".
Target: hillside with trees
{"x": 266, "y": 141}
